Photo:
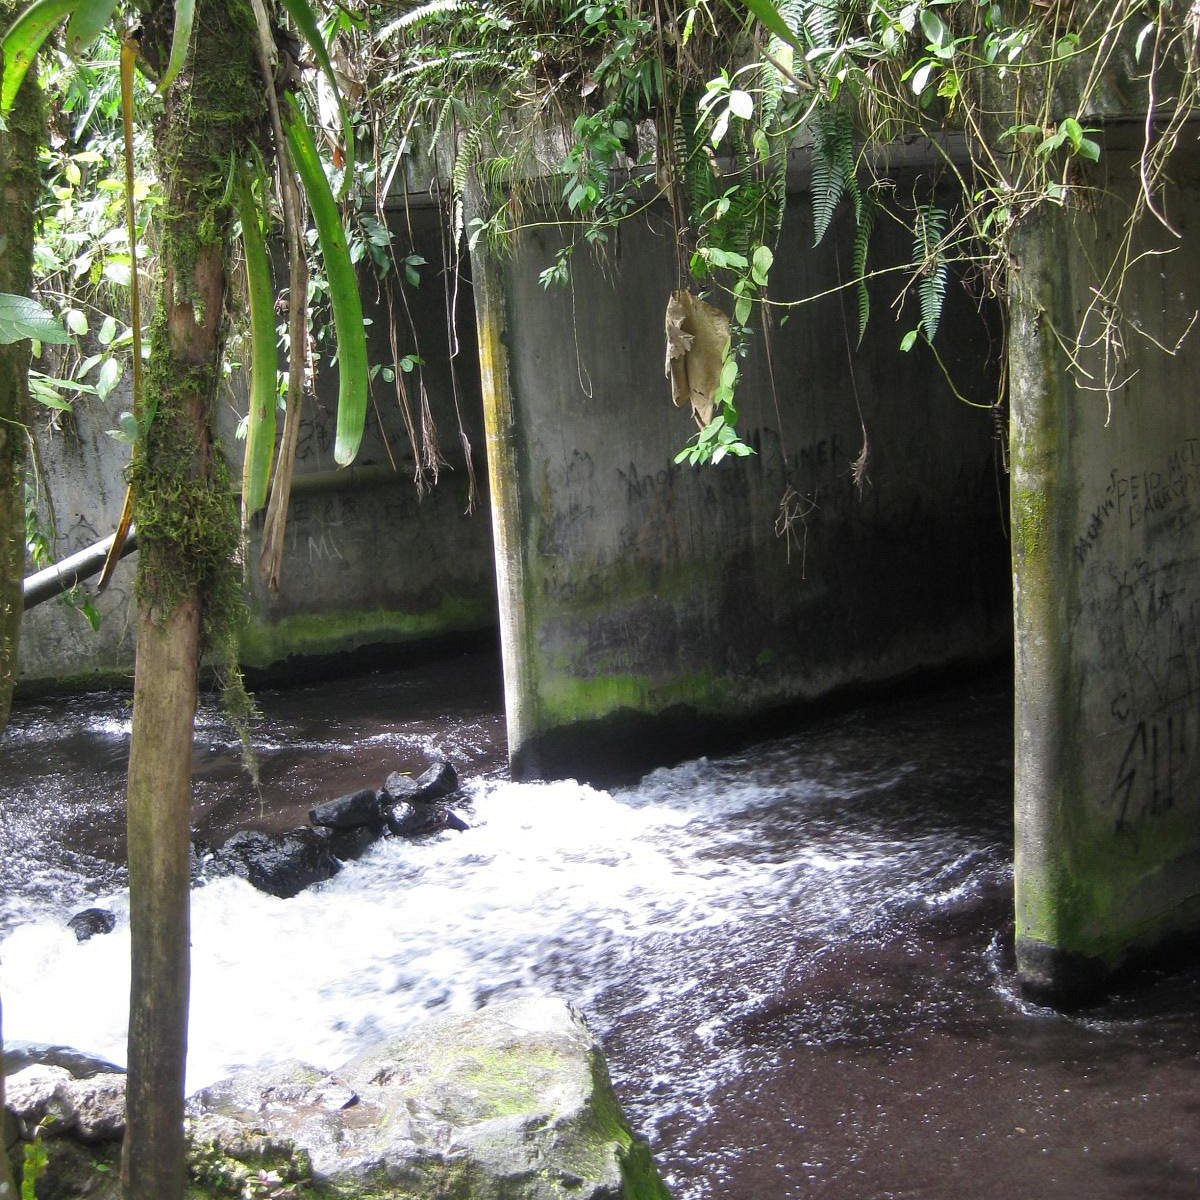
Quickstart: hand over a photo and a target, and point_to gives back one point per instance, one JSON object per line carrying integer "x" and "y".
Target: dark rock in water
{"x": 397, "y": 787}
{"x": 351, "y": 844}
{"x": 77, "y": 1063}
{"x": 348, "y": 812}
{"x": 419, "y": 820}
{"x": 91, "y": 921}
{"x": 438, "y": 781}
{"x": 280, "y": 864}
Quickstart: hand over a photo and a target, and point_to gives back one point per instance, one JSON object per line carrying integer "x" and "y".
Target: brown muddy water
{"x": 797, "y": 957}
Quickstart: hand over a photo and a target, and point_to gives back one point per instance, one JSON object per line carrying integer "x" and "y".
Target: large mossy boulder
{"x": 509, "y": 1103}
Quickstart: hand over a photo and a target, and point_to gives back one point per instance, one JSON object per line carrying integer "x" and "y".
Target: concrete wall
{"x": 1106, "y": 501}
{"x": 367, "y": 560}
{"x": 632, "y": 588}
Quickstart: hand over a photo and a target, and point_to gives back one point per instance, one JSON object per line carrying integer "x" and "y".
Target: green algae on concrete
{"x": 263, "y": 642}
{"x": 1107, "y": 848}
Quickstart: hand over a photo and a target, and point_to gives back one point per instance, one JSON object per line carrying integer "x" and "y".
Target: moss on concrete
{"x": 566, "y": 699}
{"x": 262, "y": 643}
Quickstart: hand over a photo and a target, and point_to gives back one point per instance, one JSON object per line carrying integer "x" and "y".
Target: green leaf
{"x": 741, "y": 104}
{"x": 909, "y": 340}
{"x": 21, "y": 317}
{"x": 89, "y": 611}
{"x": 920, "y": 77}
{"x": 306, "y": 22}
{"x": 1088, "y": 149}
{"x": 769, "y": 18}
{"x": 933, "y": 27}
{"x": 110, "y": 376}
{"x": 760, "y": 265}
{"x": 1140, "y": 44}
{"x": 87, "y": 24}
{"x": 353, "y": 378}
{"x": 44, "y": 393}
{"x": 181, "y": 36}
{"x": 24, "y": 39}
{"x": 76, "y": 321}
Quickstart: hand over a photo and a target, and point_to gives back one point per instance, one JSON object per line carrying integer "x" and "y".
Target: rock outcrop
{"x": 509, "y": 1103}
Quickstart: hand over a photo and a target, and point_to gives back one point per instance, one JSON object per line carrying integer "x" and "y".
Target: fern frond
{"x": 464, "y": 159}
{"x": 864, "y": 226}
{"x": 691, "y": 157}
{"x": 929, "y": 229}
{"x": 832, "y": 166}
{"x": 422, "y": 15}
{"x": 822, "y": 20}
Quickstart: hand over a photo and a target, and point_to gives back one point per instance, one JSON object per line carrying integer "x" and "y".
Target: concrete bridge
{"x": 647, "y": 609}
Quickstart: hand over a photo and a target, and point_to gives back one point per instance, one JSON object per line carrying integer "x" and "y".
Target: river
{"x": 798, "y": 957}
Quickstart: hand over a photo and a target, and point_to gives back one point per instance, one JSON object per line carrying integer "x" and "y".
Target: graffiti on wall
{"x": 1145, "y": 606}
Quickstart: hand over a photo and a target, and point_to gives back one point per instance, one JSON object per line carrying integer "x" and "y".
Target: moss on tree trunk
{"x": 187, "y": 580}
{"x": 19, "y": 146}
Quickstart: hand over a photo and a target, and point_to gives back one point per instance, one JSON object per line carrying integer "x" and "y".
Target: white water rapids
{"x": 796, "y": 957}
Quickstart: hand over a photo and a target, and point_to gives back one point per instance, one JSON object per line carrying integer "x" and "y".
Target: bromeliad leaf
{"x": 87, "y": 23}
{"x": 21, "y": 317}
{"x": 353, "y": 369}
{"x": 306, "y": 22}
{"x": 260, "y": 428}
{"x": 24, "y": 39}
{"x": 181, "y": 36}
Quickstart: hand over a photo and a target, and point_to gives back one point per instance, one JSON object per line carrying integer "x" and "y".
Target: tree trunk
{"x": 160, "y": 762}
{"x": 188, "y": 585}
{"x": 19, "y": 184}
{"x": 19, "y": 146}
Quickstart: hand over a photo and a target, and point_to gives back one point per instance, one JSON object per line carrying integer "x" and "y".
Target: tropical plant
{"x": 1001, "y": 94}
{"x": 227, "y": 92}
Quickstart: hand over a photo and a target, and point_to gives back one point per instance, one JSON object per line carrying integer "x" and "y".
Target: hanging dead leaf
{"x": 697, "y": 341}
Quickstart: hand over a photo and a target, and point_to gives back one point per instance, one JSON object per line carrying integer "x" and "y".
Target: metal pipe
{"x": 83, "y": 564}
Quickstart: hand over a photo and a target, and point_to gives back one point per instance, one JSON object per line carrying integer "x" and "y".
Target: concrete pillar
{"x": 1106, "y": 578}
{"x": 649, "y": 608}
